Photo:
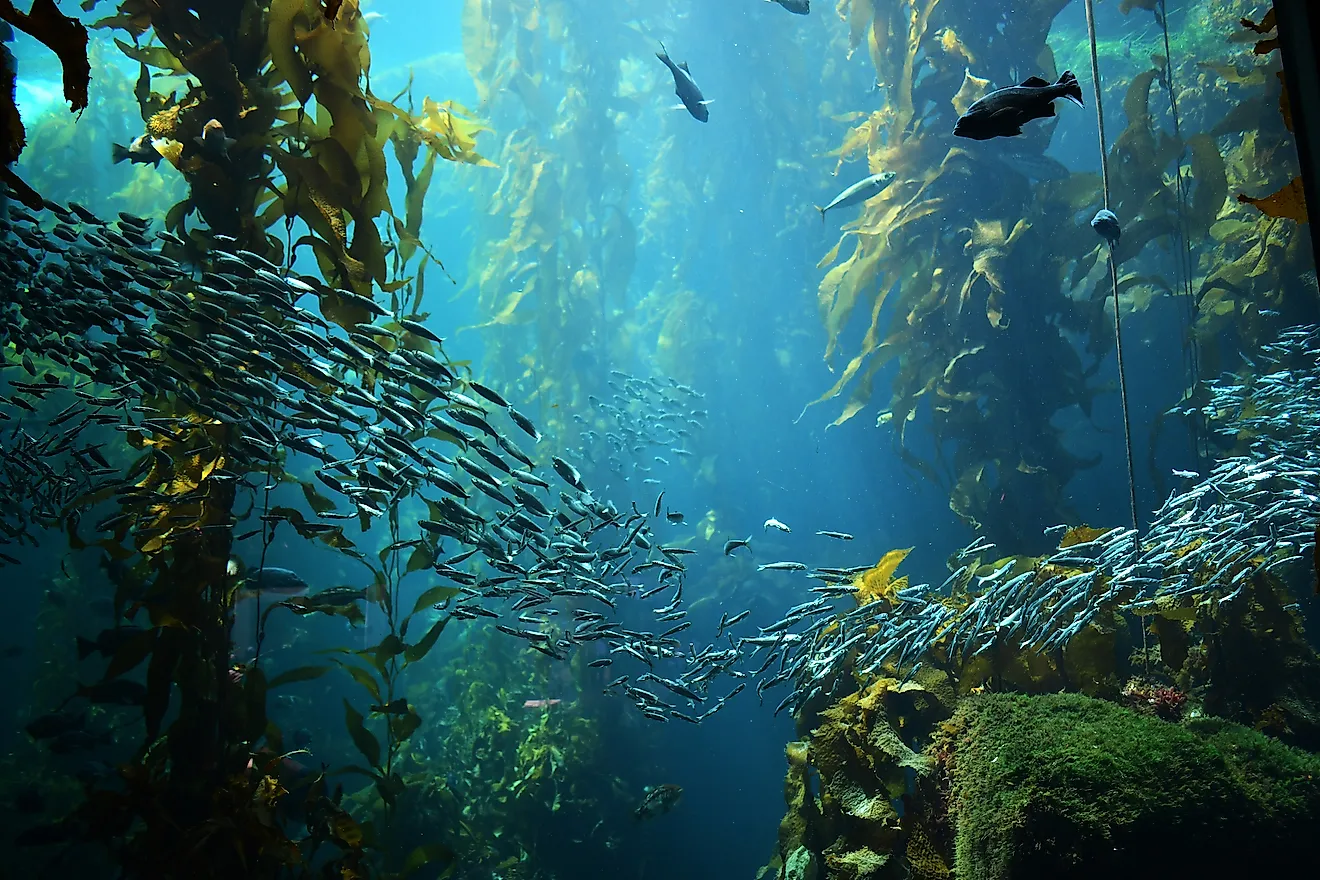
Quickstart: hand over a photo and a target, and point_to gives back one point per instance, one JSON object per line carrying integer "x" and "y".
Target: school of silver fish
{"x": 529, "y": 545}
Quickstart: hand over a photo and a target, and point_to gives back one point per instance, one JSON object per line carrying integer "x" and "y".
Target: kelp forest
{"x": 398, "y": 446}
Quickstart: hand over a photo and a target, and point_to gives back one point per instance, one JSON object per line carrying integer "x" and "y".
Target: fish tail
{"x": 86, "y": 648}
{"x": 118, "y": 153}
{"x": 822, "y": 214}
{"x": 1071, "y": 89}
{"x": 663, "y": 54}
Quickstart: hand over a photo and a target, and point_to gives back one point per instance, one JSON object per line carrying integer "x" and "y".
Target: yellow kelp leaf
{"x": 858, "y": 15}
{"x": 973, "y": 89}
{"x": 1211, "y": 181}
{"x": 280, "y": 34}
{"x": 453, "y": 132}
{"x": 1081, "y": 535}
{"x": 877, "y": 582}
{"x": 858, "y": 139}
{"x": 834, "y": 252}
{"x": 505, "y": 315}
{"x": 154, "y": 56}
{"x": 1289, "y": 202}
{"x": 481, "y": 45}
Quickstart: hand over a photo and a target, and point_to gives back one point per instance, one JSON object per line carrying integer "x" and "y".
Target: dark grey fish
{"x": 1003, "y": 112}
{"x": 685, "y": 87}
{"x": 276, "y": 580}
{"x": 140, "y": 151}
{"x": 731, "y": 546}
{"x": 797, "y": 7}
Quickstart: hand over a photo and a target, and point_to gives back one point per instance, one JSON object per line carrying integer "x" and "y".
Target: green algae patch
{"x": 1069, "y": 786}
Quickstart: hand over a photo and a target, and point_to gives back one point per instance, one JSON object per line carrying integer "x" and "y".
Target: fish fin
{"x": 678, "y": 107}
{"x": 683, "y": 64}
{"x": 86, "y": 648}
{"x": 118, "y": 153}
{"x": 1035, "y": 82}
{"x": 229, "y": 142}
{"x": 663, "y": 54}
{"x": 1072, "y": 90}
{"x": 707, "y": 102}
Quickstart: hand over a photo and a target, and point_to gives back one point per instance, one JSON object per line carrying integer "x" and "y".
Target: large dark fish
{"x": 1003, "y": 112}
{"x": 685, "y": 87}
{"x": 276, "y": 580}
{"x": 797, "y": 7}
{"x": 658, "y": 799}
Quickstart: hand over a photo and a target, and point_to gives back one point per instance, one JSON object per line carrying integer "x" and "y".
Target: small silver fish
{"x": 859, "y": 192}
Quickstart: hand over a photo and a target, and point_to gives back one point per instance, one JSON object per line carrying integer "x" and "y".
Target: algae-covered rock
{"x": 1068, "y": 786}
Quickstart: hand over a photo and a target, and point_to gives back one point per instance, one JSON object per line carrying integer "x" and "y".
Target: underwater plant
{"x": 67, "y": 38}
{"x": 254, "y": 67}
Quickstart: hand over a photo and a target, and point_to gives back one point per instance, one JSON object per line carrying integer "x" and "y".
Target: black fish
{"x": 108, "y": 642}
{"x": 797, "y": 7}
{"x": 276, "y": 580}
{"x": 1003, "y": 112}
{"x": 116, "y": 691}
{"x": 657, "y": 800}
{"x": 56, "y": 723}
{"x": 140, "y": 151}
{"x": 213, "y": 143}
{"x": 685, "y": 87}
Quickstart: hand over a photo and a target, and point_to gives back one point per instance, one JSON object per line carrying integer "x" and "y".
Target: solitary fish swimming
{"x": 657, "y": 800}
{"x": 1003, "y": 112}
{"x": 859, "y": 192}
{"x": 685, "y": 86}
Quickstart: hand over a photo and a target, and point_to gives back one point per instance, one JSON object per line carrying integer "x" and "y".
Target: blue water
{"x": 746, "y": 246}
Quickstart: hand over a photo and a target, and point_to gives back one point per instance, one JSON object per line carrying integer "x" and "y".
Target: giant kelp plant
{"x": 980, "y": 316}
{"x": 556, "y": 246}
{"x": 255, "y": 68}
{"x": 198, "y": 795}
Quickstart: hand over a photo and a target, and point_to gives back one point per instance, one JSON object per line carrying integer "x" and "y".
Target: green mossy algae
{"x": 1068, "y": 786}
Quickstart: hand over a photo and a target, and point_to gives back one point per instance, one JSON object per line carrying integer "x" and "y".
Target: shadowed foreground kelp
{"x": 67, "y": 38}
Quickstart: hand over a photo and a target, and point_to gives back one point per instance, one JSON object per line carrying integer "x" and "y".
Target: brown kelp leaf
{"x": 15, "y": 138}
{"x": 366, "y": 742}
{"x": 1211, "y": 181}
{"x": 1289, "y": 202}
{"x": 878, "y": 581}
{"x": 1266, "y": 25}
{"x": 973, "y": 89}
{"x": 63, "y": 35}
{"x": 1082, "y": 535}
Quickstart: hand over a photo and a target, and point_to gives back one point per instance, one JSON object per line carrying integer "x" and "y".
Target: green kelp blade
{"x": 364, "y": 739}
{"x": 300, "y": 673}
